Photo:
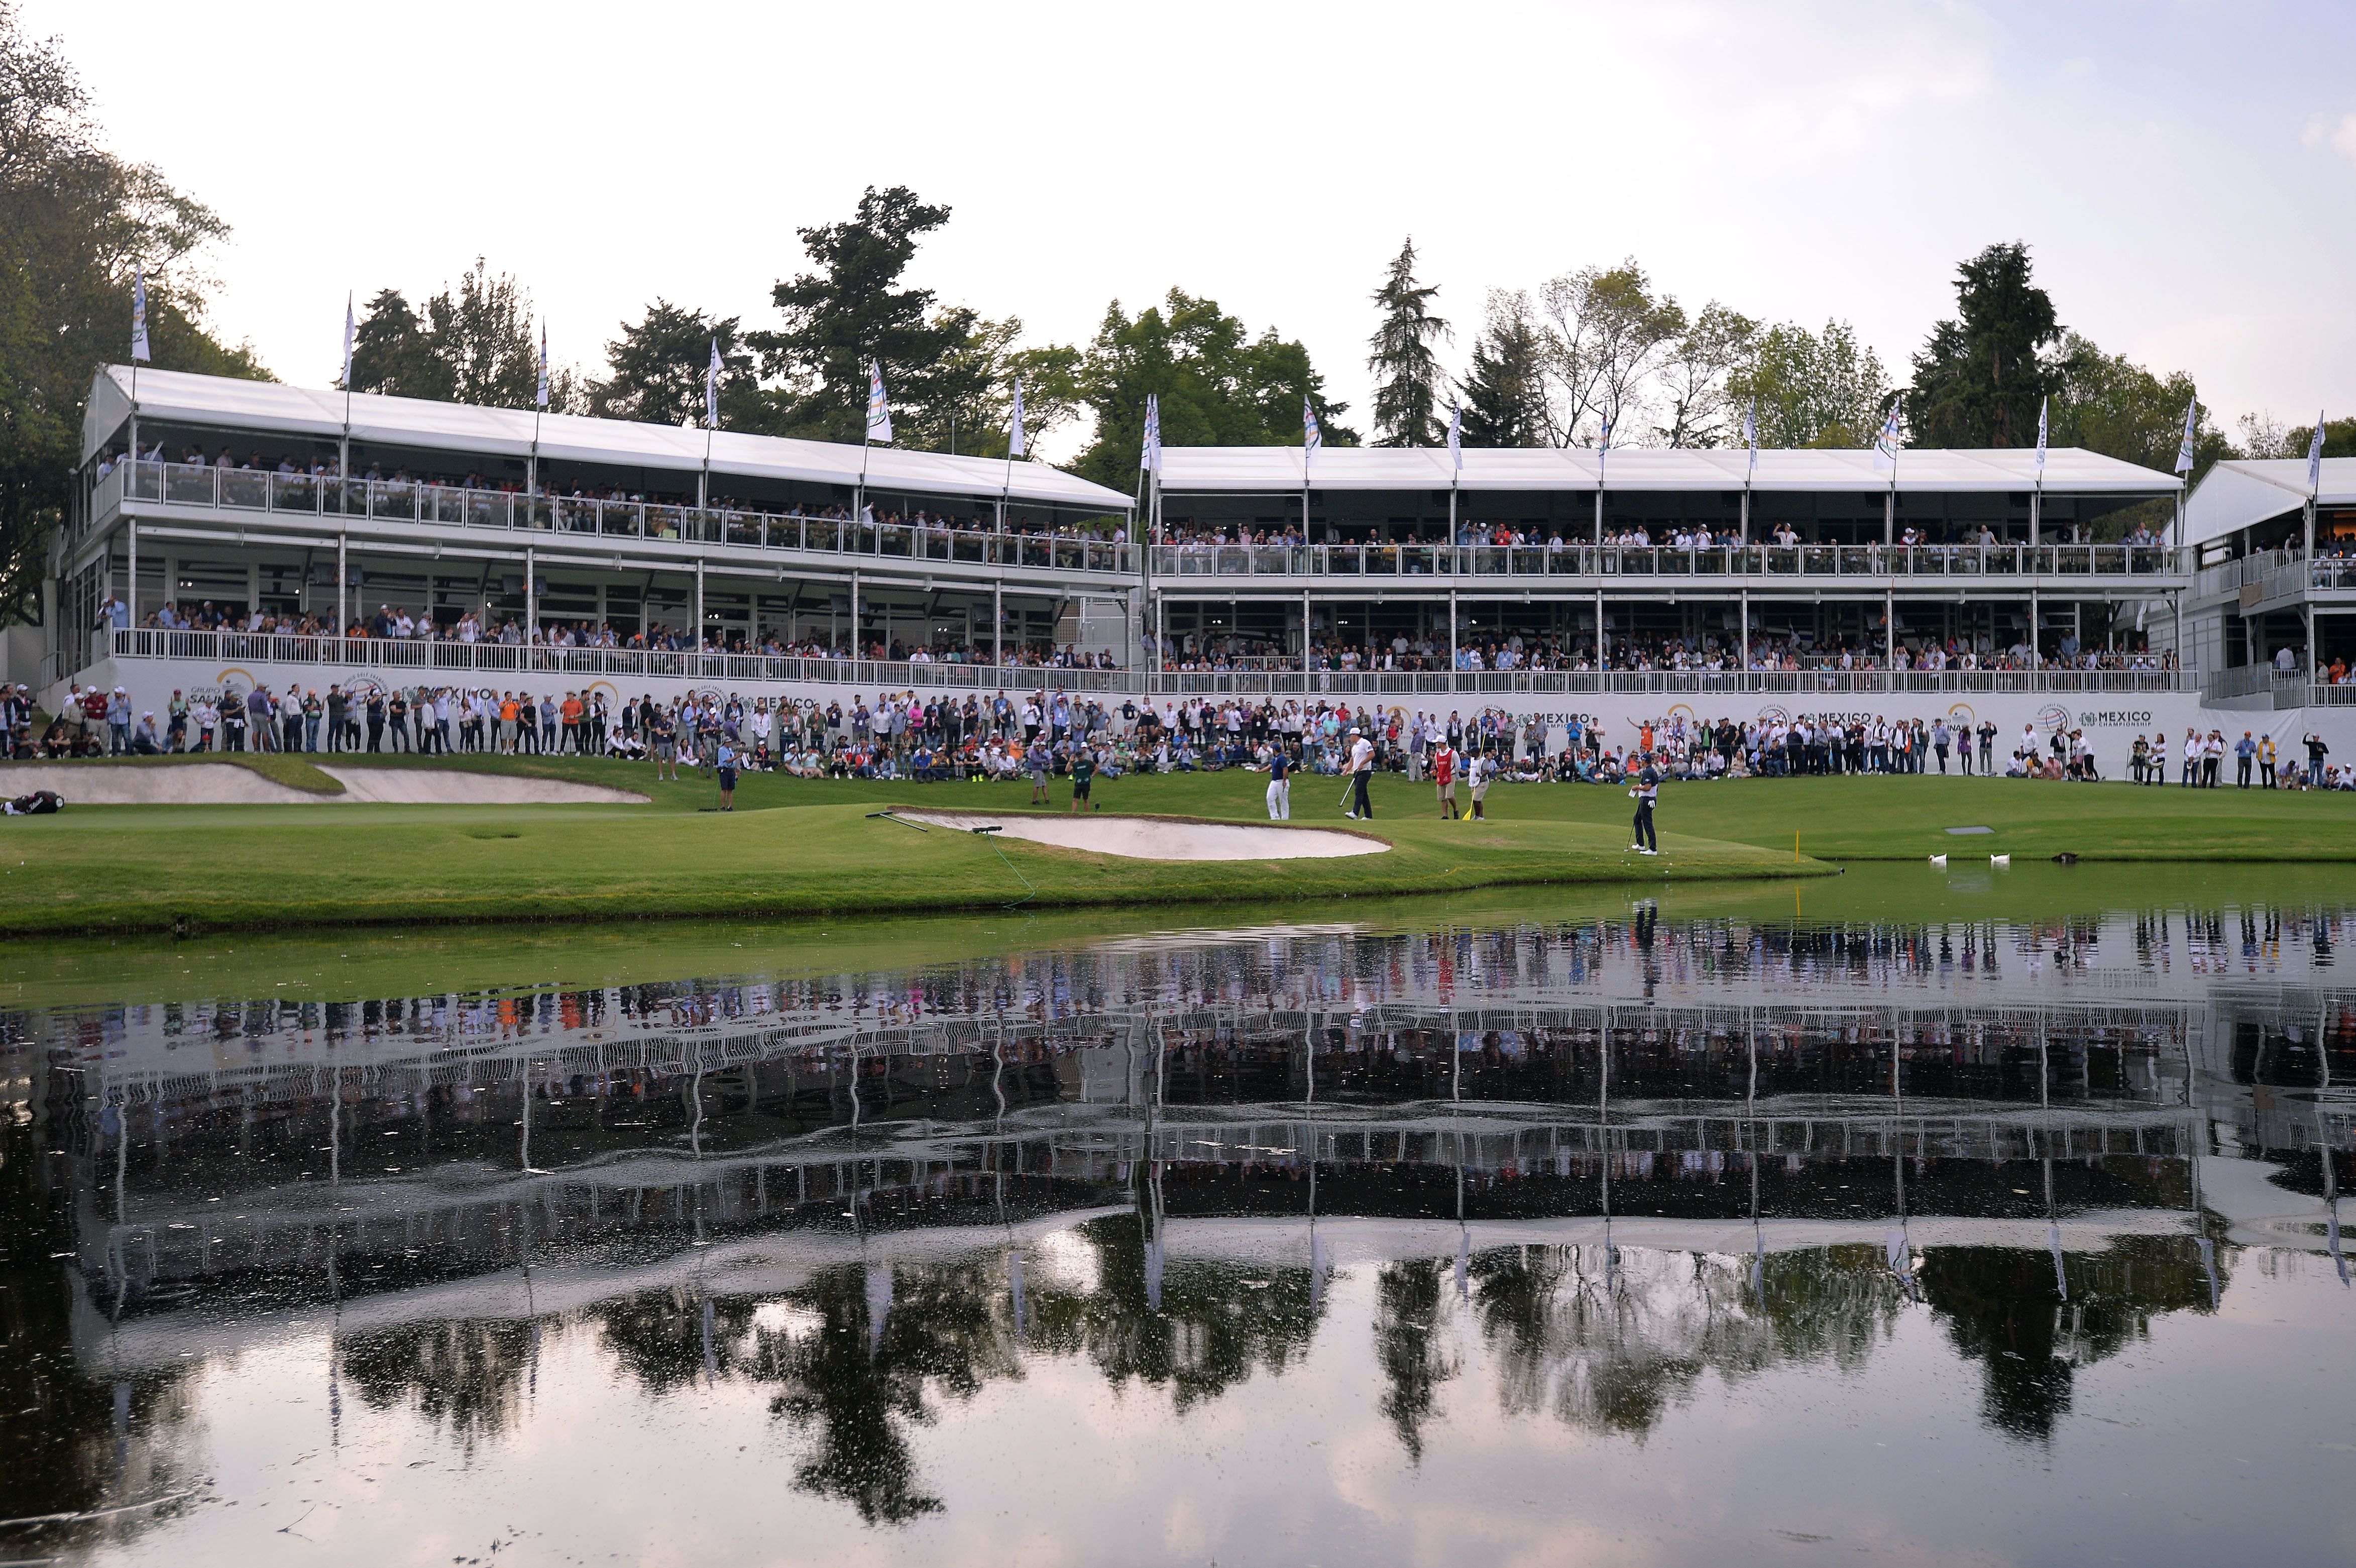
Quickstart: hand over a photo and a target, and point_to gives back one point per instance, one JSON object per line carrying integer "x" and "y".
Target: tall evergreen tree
{"x": 391, "y": 354}
{"x": 1981, "y": 377}
{"x": 1406, "y": 373}
{"x": 473, "y": 343}
{"x": 1504, "y": 392}
{"x": 850, "y": 309}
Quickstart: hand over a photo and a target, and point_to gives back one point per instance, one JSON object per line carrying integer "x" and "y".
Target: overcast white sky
{"x": 2183, "y": 169}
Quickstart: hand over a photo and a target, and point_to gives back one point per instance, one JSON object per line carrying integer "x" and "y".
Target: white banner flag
{"x": 879, "y": 412}
{"x": 2315, "y": 456}
{"x": 1149, "y": 458}
{"x": 1456, "y": 436}
{"x": 1885, "y": 445}
{"x": 2184, "y": 447}
{"x": 347, "y": 343}
{"x": 138, "y": 313}
{"x": 2041, "y": 409}
{"x": 1750, "y": 434}
{"x": 1312, "y": 438}
{"x": 543, "y": 365}
{"x": 712, "y": 390}
{"x": 1014, "y": 431}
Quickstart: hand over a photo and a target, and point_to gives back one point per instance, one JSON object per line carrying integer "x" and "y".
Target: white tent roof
{"x": 223, "y": 401}
{"x": 1269, "y": 470}
{"x": 2241, "y": 494}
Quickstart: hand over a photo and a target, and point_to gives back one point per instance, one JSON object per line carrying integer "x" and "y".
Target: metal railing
{"x": 1741, "y": 563}
{"x": 2250, "y": 681}
{"x": 495, "y": 659}
{"x": 2321, "y": 696}
{"x": 576, "y": 520}
{"x": 428, "y": 661}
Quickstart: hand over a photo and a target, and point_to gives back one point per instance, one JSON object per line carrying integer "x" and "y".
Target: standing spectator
{"x": 2315, "y": 752}
{"x": 118, "y": 724}
{"x": 2267, "y": 763}
{"x": 2245, "y": 752}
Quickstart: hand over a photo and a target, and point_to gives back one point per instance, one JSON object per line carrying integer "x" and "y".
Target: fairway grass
{"x": 808, "y": 848}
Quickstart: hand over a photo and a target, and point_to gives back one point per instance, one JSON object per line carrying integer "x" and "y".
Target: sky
{"x": 2182, "y": 170}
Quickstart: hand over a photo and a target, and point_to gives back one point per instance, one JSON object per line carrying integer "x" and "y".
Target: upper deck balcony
{"x": 1729, "y": 566}
{"x": 238, "y": 497}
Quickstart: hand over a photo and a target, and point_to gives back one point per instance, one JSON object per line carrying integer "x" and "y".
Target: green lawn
{"x": 796, "y": 848}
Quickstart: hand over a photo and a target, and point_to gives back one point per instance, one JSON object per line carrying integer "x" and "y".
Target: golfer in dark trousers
{"x": 1647, "y": 791}
{"x": 1362, "y": 773}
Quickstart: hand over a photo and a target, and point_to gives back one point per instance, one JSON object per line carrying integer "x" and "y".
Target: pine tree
{"x": 1504, "y": 393}
{"x": 1980, "y": 379}
{"x": 1407, "y": 375}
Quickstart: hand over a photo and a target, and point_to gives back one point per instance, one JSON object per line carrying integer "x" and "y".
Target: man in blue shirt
{"x": 2244, "y": 749}
{"x": 1280, "y": 784}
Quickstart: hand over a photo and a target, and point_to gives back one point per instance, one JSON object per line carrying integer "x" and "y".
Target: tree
{"x": 973, "y": 411}
{"x": 1407, "y": 375}
{"x": 851, "y": 311}
{"x": 1981, "y": 377}
{"x": 2264, "y": 436}
{"x": 1606, "y": 334}
{"x": 1811, "y": 389}
{"x": 1693, "y": 378}
{"x": 658, "y": 367}
{"x": 390, "y": 352}
{"x": 2106, "y": 403}
{"x": 1218, "y": 385}
{"x": 74, "y": 222}
{"x": 1504, "y": 393}
{"x": 473, "y": 344}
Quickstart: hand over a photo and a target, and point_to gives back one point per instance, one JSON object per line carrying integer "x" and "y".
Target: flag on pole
{"x": 879, "y": 413}
{"x": 1456, "y": 436}
{"x": 1750, "y": 434}
{"x": 543, "y": 365}
{"x": 1602, "y": 450}
{"x": 2041, "y": 408}
{"x": 1150, "y": 458}
{"x": 1885, "y": 445}
{"x": 1015, "y": 432}
{"x": 2184, "y": 447}
{"x": 138, "y": 313}
{"x": 1312, "y": 438}
{"x": 2315, "y": 456}
{"x": 712, "y": 390}
{"x": 347, "y": 345}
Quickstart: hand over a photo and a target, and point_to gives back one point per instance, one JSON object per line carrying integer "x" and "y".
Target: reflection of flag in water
{"x": 1312, "y": 438}
{"x": 138, "y": 313}
{"x": 879, "y": 1304}
{"x": 879, "y": 413}
{"x": 2184, "y": 447}
{"x": 1014, "y": 432}
{"x": 1150, "y": 458}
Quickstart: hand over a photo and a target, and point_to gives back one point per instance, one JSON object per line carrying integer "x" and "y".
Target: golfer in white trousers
{"x": 1279, "y": 786}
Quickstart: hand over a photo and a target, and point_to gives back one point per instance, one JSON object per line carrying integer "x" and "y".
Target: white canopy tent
{"x": 228, "y": 403}
{"x": 2241, "y": 494}
{"x": 1277, "y": 470}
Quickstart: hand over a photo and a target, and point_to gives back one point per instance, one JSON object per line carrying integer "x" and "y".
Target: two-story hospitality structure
{"x": 225, "y": 532}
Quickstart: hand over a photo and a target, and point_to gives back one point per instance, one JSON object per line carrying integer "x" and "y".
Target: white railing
{"x": 495, "y": 659}
{"x": 2250, "y": 679}
{"x": 1742, "y": 564}
{"x": 561, "y": 519}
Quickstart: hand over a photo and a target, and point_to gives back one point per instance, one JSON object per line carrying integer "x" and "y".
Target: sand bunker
{"x": 227, "y": 784}
{"x": 1144, "y": 838}
{"x": 456, "y": 787}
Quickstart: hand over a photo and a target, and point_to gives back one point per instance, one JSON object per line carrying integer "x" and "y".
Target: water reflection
{"x": 1589, "y": 1175}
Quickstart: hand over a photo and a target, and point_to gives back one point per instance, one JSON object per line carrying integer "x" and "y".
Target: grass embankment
{"x": 196, "y": 867}
{"x": 798, "y": 848}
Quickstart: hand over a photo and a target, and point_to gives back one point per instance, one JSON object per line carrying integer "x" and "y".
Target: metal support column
{"x": 1307, "y": 661}
{"x": 858, "y": 649}
{"x": 530, "y": 599}
{"x": 699, "y": 604}
{"x": 998, "y": 624}
{"x": 131, "y": 540}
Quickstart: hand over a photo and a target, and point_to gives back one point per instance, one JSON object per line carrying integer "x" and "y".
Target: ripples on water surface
{"x": 1612, "y": 1233}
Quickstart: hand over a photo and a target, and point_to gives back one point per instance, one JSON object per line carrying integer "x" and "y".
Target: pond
{"x": 1979, "y": 1215}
